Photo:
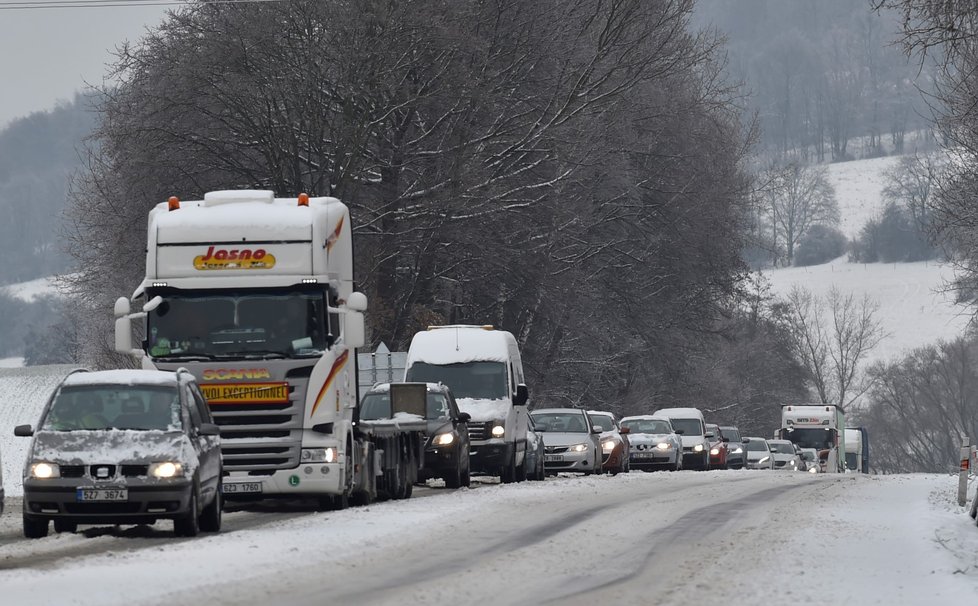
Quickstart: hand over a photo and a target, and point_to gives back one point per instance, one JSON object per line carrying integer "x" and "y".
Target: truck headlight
{"x": 578, "y": 448}
{"x": 608, "y": 445}
{"x": 498, "y": 430}
{"x": 443, "y": 439}
{"x": 44, "y": 470}
{"x": 319, "y": 455}
{"x": 165, "y": 469}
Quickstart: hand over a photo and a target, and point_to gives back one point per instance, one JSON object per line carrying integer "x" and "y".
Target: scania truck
{"x": 818, "y": 426}
{"x": 255, "y": 296}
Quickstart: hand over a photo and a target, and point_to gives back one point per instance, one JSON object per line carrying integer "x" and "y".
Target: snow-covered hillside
{"x": 913, "y": 307}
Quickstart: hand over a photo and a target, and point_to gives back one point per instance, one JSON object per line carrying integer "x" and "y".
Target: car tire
{"x": 453, "y": 479}
{"x": 210, "y": 518}
{"x": 188, "y": 525}
{"x": 65, "y": 526}
{"x": 35, "y": 528}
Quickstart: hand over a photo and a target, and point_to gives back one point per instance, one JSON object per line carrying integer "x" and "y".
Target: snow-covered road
{"x": 659, "y": 538}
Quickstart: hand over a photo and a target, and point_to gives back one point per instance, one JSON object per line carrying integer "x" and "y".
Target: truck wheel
{"x": 35, "y": 529}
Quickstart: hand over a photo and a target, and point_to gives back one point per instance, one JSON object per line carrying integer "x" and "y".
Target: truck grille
{"x": 478, "y": 431}
{"x": 262, "y": 437}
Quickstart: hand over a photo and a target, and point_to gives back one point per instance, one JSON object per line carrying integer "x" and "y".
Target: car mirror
{"x": 624, "y": 430}
{"x": 596, "y": 430}
{"x": 680, "y": 431}
{"x": 209, "y": 429}
{"x": 464, "y": 417}
{"x": 23, "y": 431}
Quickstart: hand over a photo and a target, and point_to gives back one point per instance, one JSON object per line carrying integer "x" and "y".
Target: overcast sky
{"x": 47, "y": 54}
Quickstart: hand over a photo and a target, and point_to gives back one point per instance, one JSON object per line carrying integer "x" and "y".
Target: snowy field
{"x": 914, "y": 308}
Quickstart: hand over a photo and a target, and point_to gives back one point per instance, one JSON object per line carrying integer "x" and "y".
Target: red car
{"x": 718, "y": 446}
{"x": 614, "y": 442}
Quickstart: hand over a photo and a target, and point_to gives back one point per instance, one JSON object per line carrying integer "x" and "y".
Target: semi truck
{"x": 857, "y": 449}
{"x": 255, "y": 296}
{"x": 818, "y": 426}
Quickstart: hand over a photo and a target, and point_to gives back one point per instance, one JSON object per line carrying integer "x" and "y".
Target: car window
{"x": 654, "y": 426}
{"x": 113, "y": 406}
{"x": 603, "y": 422}
{"x": 732, "y": 433}
{"x": 568, "y": 422}
{"x": 757, "y": 446}
{"x": 437, "y": 406}
{"x": 375, "y": 406}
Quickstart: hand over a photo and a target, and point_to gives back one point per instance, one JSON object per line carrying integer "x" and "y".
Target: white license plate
{"x": 553, "y": 458}
{"x": 643, "y": 455}
{"x": 101, "y": 494}
{"x": 241, "y": 487}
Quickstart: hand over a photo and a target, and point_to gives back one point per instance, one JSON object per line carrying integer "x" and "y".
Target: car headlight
{"x": 44, "y": 470}
{"x": 578, "y": 448}
{"x": 319, "y": 455}
{"x": 443, "y": 439}
{"x": 698, "y": 448}
{"x": 792, "y": 463}
{"x": 498, "y": 430}
{"x": 663, "y": 445}
{"x": 165, "y": 469}
{"x": 764, "y": 460}
{"x": 813, "y": 470}
{"x": 608, "y": 445}
{"x": 737, "y": 450}
{"x": 714, "y": 451}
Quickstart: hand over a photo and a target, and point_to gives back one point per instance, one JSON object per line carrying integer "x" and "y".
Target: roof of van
{"x": 460, "y": 343}
{"x": 680, "y": 413}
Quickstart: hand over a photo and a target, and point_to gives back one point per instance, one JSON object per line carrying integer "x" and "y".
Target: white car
{"x": 785, "y": 455}
{"x": 758, "y": 454}
{"x": 653, "y": 443}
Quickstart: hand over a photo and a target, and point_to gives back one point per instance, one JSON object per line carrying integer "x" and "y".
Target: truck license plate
{"x": 241, "y": 487}
{"x": 101, "y": 494}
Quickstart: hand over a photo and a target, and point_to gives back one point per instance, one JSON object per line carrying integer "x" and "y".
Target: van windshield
{"x": 690, "y": 427}
{"x": 475, "y": 380}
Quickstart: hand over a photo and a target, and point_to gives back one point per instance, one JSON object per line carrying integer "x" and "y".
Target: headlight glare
{"x": 698, "y": 448}
{"x": 813, "y": 470}
{"x": 608, "y": 445}
{"x": 443, "y": 439}
{"x": 498, "y": 430}
{"x": 318, "y": 455}
{"x": 165, "y": 469}
{"x": 714, "y": 451}
{"x": 44, "y": 470}
{"x": 663, "y": 445}
{"x": 578, "y": 448}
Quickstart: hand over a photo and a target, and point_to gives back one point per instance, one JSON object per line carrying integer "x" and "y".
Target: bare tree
{"x": 832, "y": 337}
{"x": 798, "y": 196}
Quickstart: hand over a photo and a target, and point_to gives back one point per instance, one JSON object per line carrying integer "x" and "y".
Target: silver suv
{"x": 123, "y": 447}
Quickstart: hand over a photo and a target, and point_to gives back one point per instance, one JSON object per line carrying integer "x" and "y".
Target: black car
{"x": 736, "y": 451}
{"x": 123, "y": 447}
{"x": 446, "y": 452}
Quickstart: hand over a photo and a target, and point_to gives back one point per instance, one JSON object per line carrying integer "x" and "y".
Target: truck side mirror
{"x": 23, "y": 431}
{"x": 522, "y": 395}
{"x": 354, "y": 330}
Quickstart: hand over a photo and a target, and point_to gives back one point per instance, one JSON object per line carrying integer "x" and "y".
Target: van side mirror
{"x": 23, "y": 431}
{"x": 522, "y": 395}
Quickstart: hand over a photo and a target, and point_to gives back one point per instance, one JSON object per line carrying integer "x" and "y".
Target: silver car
{"x": 654, "y": 443}
{"x": 785, "y": 455}
{"x": 758, "y": 454}
{"x": 571, "y": 442}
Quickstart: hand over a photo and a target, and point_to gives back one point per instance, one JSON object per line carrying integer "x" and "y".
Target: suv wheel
{"x": 35, "y": 528}
{"x": 65, "y": 526}
{"x": 188, "y": 525}
{"x": 210, "y": 518}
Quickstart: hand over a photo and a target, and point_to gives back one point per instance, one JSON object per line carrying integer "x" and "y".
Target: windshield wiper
{"x": 185, "y": 357}
{"x": 260, "y": 354}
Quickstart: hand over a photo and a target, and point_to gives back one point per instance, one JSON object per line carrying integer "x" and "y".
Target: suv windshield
{"x": 114, "y": 407}
{"x": 475, "y": 380}
{"x": 378, "y": 406}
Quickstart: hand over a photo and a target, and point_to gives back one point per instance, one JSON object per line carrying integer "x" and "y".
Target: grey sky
{"x": 48, "y": 54}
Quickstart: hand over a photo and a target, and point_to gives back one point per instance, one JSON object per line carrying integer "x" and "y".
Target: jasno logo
{"x": 234, "y": 258}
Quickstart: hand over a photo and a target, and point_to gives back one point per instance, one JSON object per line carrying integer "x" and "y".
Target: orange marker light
{"x": 173, "y": 203}
{"x": 303, "y": 199}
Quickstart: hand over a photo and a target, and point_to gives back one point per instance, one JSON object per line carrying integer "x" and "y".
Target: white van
{"x": 696, "y": 446}
{"x": 483, "y": 368}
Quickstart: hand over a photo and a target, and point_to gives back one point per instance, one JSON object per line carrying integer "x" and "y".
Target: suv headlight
{"x": 498, "y": 429}
{"x": 165, "y": 469}
{"x": 443, "y": 439}
{"x": 43, "y": 470}
{"x": 319, "y": 455}
{"x": 577, "y": 448}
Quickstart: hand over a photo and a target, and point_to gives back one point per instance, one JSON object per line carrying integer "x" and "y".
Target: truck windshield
{"x": 286, "y": 323}
{"x": 476, "y": 380}
{"x": 813, "y": 438}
